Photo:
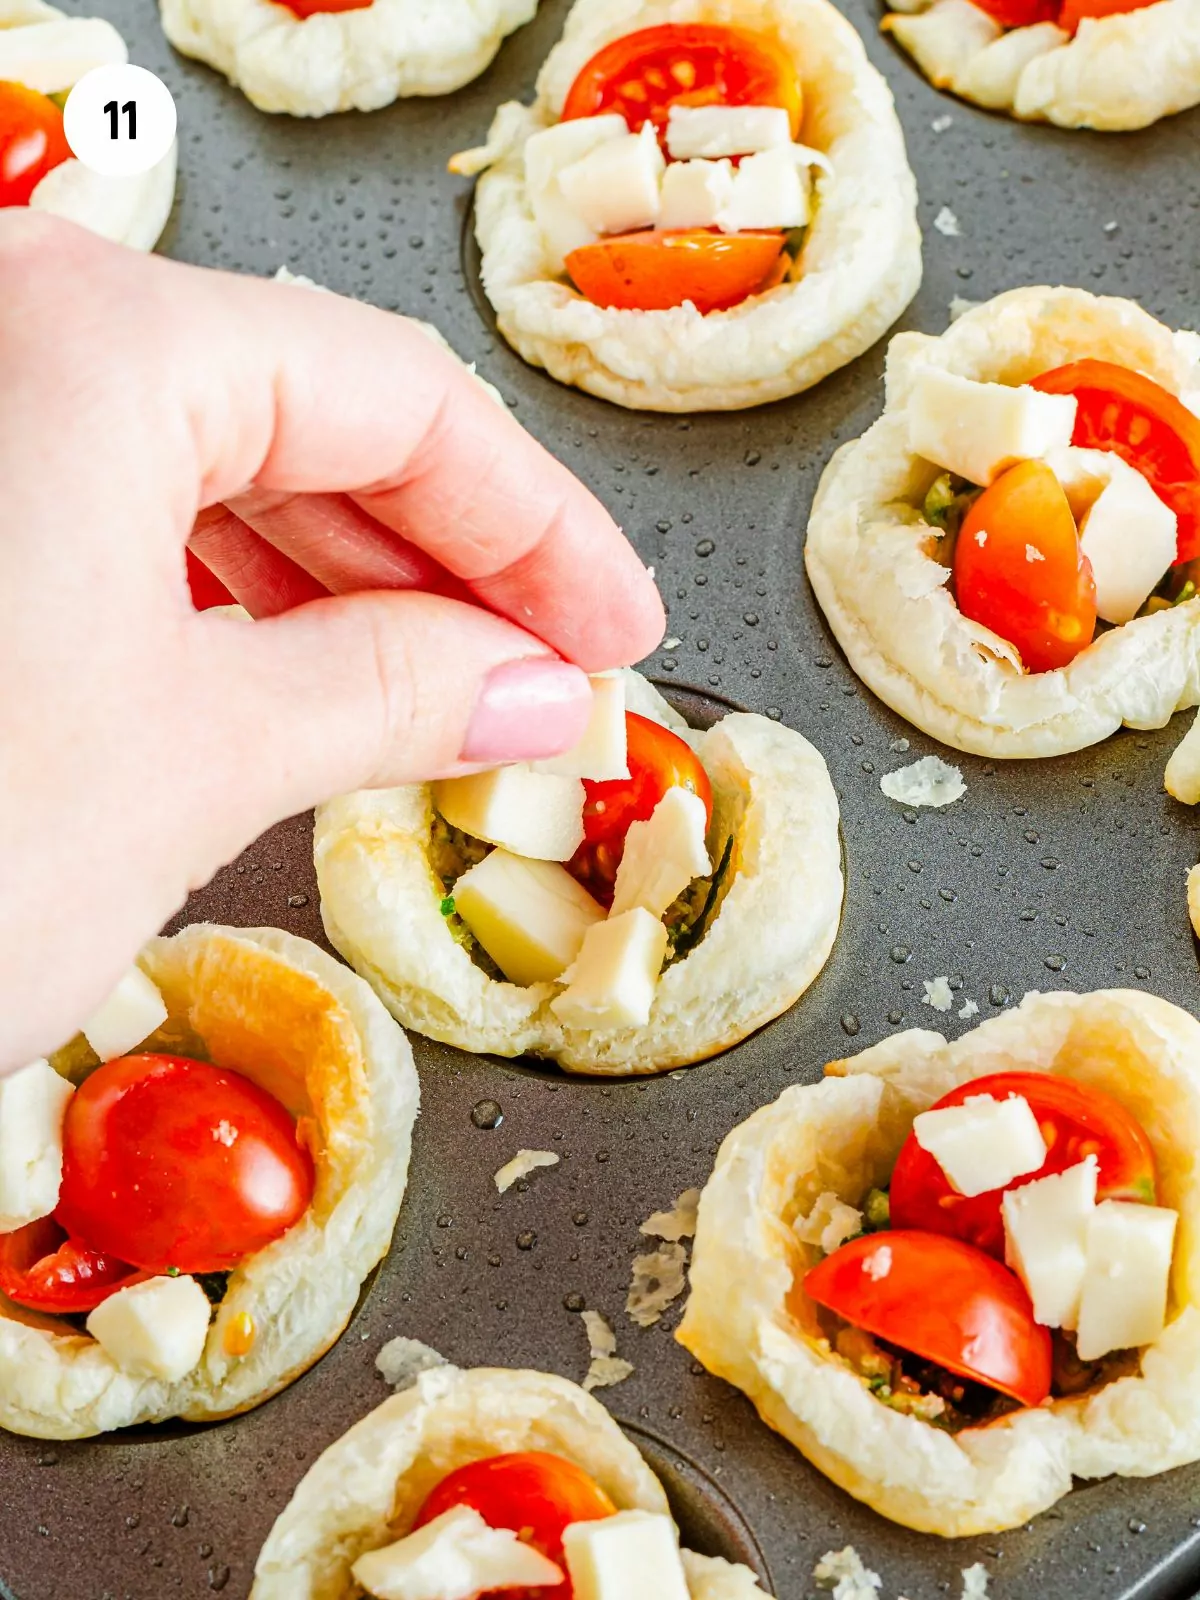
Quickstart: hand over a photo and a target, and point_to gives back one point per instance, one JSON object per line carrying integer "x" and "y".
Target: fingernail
{"x": 528, "y": 710}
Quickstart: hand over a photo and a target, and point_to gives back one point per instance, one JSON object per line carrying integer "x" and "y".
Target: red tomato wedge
{"x": 945, "y": 1302}
{"x": 32, "y": 141}
{"x": 642, "y": 75}
{"x": 658, "y": 760}
{"x": 313, "y": 8}
{"x": 1076, "y": 11}
{"x": 535, "y": 1495}
{"x": 45, "y": 1270}
{"x": 1075, "y": 1122}
{"x": 207, "y": 590}
{"x": 1021, "y": 13}
{"x": 1020, "y": 571}
{"x": 657, "y": 270}
{"x": 1148, "y": 427}
{"x": 171, "y": 1163}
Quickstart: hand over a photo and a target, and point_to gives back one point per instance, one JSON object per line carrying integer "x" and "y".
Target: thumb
{"x": 368, "y": 690}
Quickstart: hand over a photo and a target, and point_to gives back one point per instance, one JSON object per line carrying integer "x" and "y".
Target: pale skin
{"x": 432, "y": 588}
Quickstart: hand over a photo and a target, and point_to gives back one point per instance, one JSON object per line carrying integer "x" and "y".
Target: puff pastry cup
{"x": 1116, "y": 74}
{"x": 860, "y": 267}
{"x": 367, "y": 1488}
{"x": 750, "y": 1322}
{"x": 347, "y": 60}
{"x": 45, "y": 49}
{"x": 872, "y": 559}
{"x": 293, "y": 1020}
{"x": 770, "y": 937}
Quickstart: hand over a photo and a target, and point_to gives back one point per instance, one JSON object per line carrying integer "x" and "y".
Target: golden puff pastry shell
{"x": 749, "y": 1321}
{"x": 293, "y": 1020}
{"x": 861, "y": 264}
{"x": 773, "y": 932}
{"x": 871, "y": 558}
{"x": 367, "y": 1488}
{"x": 343, "y": 61}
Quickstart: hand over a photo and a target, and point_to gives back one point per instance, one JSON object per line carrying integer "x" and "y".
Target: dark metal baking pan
{"x": 1066, "y": 873}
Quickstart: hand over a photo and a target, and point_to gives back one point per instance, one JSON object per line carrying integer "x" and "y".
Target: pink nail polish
{"x": 527, "y": 710}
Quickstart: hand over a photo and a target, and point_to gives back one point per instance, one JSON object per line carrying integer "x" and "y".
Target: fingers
{"x": 258, "y": 576}
{"x": 385, "y": 688}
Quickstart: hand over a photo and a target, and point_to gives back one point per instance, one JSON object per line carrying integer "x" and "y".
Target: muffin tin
{"x": 1066, "y": 873}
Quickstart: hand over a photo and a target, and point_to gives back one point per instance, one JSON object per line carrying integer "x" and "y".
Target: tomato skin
{"x": 945, "y": 1302}
{"x": 1021, "y": 13}
{"x": 659, "y": 269}
{"x": 1146, "y": 426}
{"x": 32, "y": 141}
{"x": 312, "y": 8}
{"x": 1075, "y": 1122}
{"x": 658, "y": 760}
{"x": 172, "y": 1163}
{"x": 642, "y": 75}
{"x": 533, "y": 1494}
{"x": 1045, "y": 607}
{"x": 45, "y": 1270}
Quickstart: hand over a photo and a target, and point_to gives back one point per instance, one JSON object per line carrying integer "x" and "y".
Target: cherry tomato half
{"x": 1146, "y": 426}
{"x": 312, "y": 8}
{"x": 206, "y": 588}
{"x": 533, "y": 1494}
{"x": 657, "y": 270}
{"x": 45, "y": 1270}
{"x": 658, "y": 760}
{"x": 1075, "y": 1122}
{"x": 32, "y": 141}
{"x": 1019, "y": 568}
{"x": 1021, "y": 13}
{"x": 642, "y": 75}
{"x": 945, "y": 1302}
{"x": 174, "y": 1163}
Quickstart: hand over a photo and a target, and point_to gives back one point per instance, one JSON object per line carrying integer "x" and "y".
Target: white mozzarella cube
{"x": 546, "y": 155}
{"x": 1127, "y": 533}
{"x": 132, "y": 1012}
{"x": 1046, "y": 1231}
{"x": 533, "y": 814}
{"x": 530, "y": 916}
{"x": 612, "y": 981}
{"x": 455, "y": 1557}
{"x": 984, "y": 1143}
{"x": 714, "y": 131}
{"x": 155, "y": 1329}
{"x": 663, "y": 855}
{"x": 1128, "y": 1276}
{"x": 52, "y": 56}
{"x": 695, "y": 193}
{"x": 771, "y": 190}
{"x": 616, "y": 188}
{"x": 602, "y": 754}
{"x": 33, "y": 1103}
{"x": 978, "y": 430}
{"x": 632, "y": 1556}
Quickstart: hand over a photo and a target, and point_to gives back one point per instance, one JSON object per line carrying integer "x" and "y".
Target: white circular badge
{"x": 120, "y": 120}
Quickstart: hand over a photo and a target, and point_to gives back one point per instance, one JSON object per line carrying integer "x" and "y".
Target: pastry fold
{"x": 750, "y": 1322}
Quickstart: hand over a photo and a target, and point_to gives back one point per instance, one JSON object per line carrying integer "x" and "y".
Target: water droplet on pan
{"x": 487, "y": 1114}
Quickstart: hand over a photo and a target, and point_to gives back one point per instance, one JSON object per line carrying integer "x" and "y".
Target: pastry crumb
{"x": 659, "y": 1278}
{"x": 607, "y": 1367}
{"x": 946, "y": 223}
{"x": 938, "y": 994}
{"x": 521, "y": 1165}
{"x": 929, "y": 782}
{"x": 975, "y": 1582}
{"x": 843, "y": 1572}
{"x": 402, "y": 1361}
{"x": 969, "y": 1009}
{"x": 677, "y": 1223}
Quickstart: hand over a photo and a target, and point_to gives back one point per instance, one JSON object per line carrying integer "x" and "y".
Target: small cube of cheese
{"x": 132, "y": 1012}
{"x": 533, "y": 814}
{"x": 978, "y": 430}
{"x": 602, "y": 754}
{"x": 1127, "y": 533}
{"x": 632, "y": 1556}
{"x": 725, "y": 130}
{"x": 771, "y": 190}
{"x": 612, "y": 981}
{"x": 616, "y": 188}
{"x": 53, "y": 55}
{"x": 530, "y": 916}
{"x": 455, "y": 1557}
{"x": 155, "y": 1329}
{"x": 33, "y": 1103}
{"x": 547, "y": 154}
{"x": 1046, "y": 1229}
{"x": 695, "y": 193}
{"x": 984, "y": 1143}
{"x": 1125, "y": 1286}
{"x": 663, "y": 855}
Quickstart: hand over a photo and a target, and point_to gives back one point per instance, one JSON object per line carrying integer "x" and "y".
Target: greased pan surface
{"x": 1068, "y": 873}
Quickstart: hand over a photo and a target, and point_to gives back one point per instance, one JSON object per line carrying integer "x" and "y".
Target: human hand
{"x": 142, "y": 744}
